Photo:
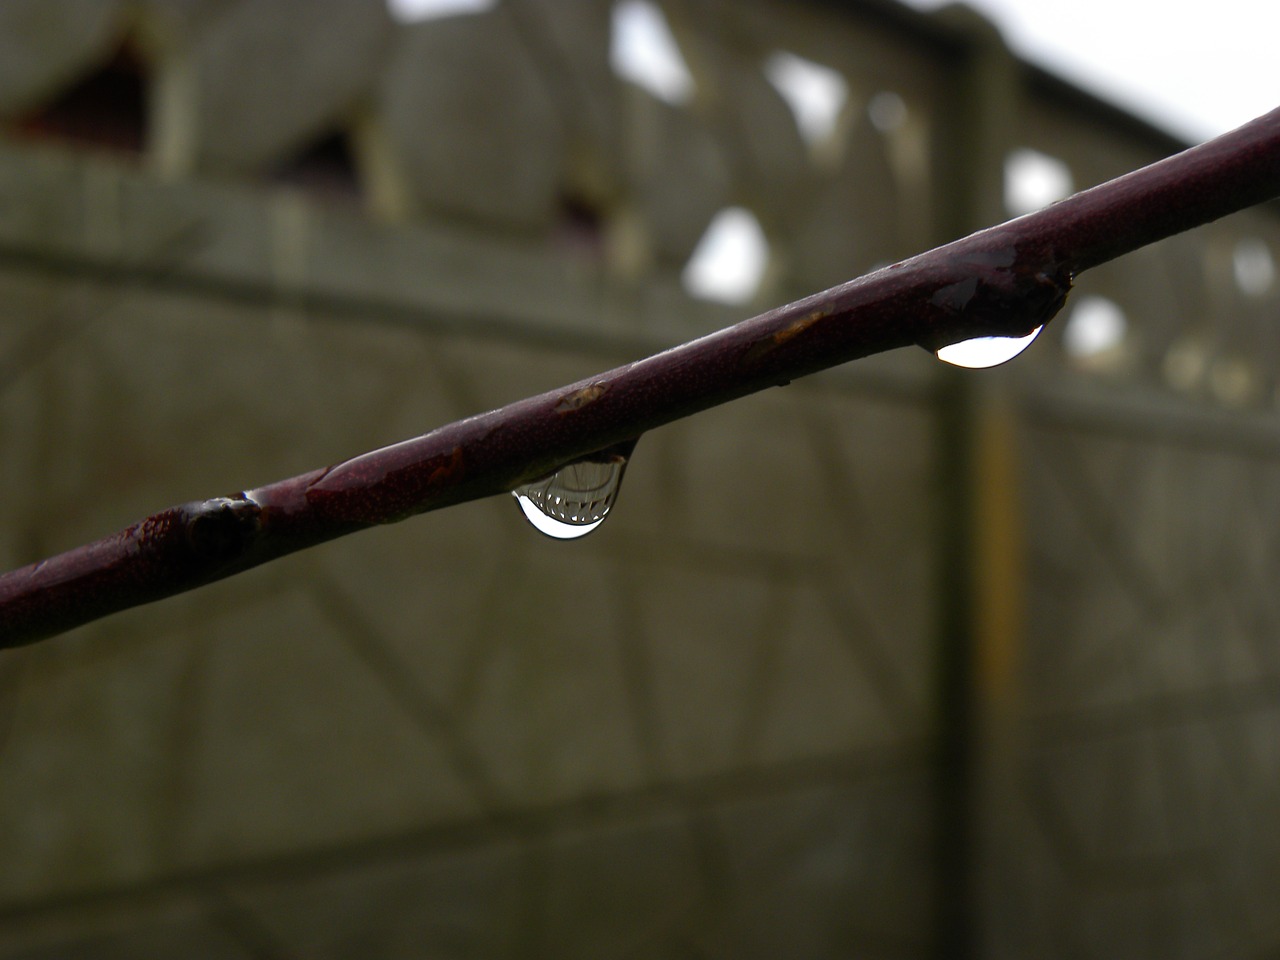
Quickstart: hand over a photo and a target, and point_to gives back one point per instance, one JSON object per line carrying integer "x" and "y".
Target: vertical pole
{"x": 953, "y": 893}
{"x": 973, "y": 136}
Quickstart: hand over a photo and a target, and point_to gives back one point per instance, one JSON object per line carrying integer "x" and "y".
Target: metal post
{"x": 973, "y": 137}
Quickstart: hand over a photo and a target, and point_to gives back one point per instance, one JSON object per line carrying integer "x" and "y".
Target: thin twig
{"x": 1003, "y": 281}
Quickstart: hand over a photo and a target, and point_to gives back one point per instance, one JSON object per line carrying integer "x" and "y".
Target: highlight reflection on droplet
{"x": 983, "y": 352}
{"x": 577, "y": 498}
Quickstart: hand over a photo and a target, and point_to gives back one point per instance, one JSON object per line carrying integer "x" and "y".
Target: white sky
{"x": 1192, "y": 67}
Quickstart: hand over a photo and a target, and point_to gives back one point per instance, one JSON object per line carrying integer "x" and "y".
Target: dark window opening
{"x": 581, "y": 225}
{"x": 325, "y": 167}
{"x": 105, "y": 109}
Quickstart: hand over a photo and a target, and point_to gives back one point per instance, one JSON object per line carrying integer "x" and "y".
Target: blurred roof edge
{"x": 950, "y": 35}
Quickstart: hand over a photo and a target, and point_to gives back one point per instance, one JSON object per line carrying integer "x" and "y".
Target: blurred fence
{"x": 894, "y": 662}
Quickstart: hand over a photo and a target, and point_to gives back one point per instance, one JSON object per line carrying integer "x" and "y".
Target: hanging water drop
{"x": 577, "y": 498}
{"x": 986, "y": 351}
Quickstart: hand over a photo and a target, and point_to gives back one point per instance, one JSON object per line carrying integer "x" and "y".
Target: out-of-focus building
{"x": 893, "y": 662}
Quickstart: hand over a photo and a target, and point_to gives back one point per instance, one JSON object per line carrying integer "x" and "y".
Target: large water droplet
{"x": 986, "y": 351}
{"x": 577, "y": 498}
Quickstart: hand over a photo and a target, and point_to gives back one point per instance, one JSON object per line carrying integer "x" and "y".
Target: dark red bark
{"x": 1003, "y": 281}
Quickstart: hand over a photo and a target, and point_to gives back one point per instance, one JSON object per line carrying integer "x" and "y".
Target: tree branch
{"x": 1003, "y": 281}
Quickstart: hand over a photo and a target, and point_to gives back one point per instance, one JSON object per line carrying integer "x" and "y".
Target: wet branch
{"x": 1003, "y": 281}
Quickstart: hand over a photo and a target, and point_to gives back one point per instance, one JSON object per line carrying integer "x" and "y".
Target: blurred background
{"x": 899, "y": 661}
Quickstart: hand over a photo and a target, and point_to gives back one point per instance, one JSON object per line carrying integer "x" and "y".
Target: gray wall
{"x": 709, "y": 729}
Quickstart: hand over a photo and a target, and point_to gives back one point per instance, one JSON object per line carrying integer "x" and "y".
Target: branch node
{"x": 221, "y": 529}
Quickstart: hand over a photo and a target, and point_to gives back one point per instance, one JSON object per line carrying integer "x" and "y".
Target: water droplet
{"x": 986, "y": 351}
{"x": 577, "y": 498}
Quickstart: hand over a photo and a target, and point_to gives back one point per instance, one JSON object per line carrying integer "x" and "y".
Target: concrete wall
{"x": 709, "y": 728}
